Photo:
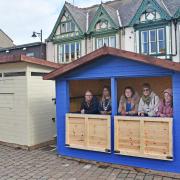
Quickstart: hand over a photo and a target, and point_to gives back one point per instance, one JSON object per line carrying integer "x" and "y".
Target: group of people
{"x": 130, "y": 103}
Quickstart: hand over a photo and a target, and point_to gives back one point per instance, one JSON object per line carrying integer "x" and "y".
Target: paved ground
{"x": 43, "y": 164}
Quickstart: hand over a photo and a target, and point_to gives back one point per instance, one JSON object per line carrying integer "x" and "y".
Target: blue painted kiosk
{"x": 146, "y": 142}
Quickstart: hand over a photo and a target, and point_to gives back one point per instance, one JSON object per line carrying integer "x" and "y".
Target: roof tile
{"x": 22, "y": 58}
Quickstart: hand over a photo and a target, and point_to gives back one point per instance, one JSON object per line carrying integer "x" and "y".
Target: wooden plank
{"x": 76, "y": 131}
{"x": 170, "y": 138}
{"x": 156, "y": 132}
{"x": 116, "y": 135}
{"x": 109, "y": 134}
{"x": 97, "y": 133}
{"x": 86, "y": 132}
{"x": 148, "y": 156}
{"x": 87, "y": 115}
{"x": 74, "y": 146}
{"x": 152, "y": 138}
{"x": 138, "y": 118}
{"x": 90, "y": 132}
{"x": 127, "y": 135}
{"x": 142, "y": 136}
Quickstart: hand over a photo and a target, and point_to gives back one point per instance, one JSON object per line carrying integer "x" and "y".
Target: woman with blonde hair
{"x": 105, "y": 103}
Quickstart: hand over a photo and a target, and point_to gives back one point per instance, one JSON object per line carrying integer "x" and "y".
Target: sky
{"x": 19, "y": 18}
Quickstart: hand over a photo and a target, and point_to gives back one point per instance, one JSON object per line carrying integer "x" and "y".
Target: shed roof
{"x": 22, "y": 46}
{"x": 104, "y": 51}
{"x": 22, "y": 58}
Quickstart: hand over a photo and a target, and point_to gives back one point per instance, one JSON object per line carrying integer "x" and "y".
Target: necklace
{"x": 105, "y": 106}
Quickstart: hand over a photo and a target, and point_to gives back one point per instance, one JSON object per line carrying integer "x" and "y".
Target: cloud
{"x": 84, "y": 3}
{"x": 19, "y": 18}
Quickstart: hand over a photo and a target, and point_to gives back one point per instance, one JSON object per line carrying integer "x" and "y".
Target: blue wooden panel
{"x": 112, "y": 67}
{"x": 115, "y": 67}
{"x": 176, "y": 119}
{"x": 62, "y": 107}
{"x": 114, "y": 108}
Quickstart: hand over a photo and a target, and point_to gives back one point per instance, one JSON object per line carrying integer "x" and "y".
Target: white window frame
{"x": 62, "y": 54}
{"x": 158, "y": 47}
{"x": 69, "y": 47}
{"x": 103, "y": 40}
{"x": 97, "y": 42}
{"x": 76, "y": 50}
{"x": 149, "y": 41}
{"x": 66, "y": 27}
{"x": 110, "y": 45}
{"x": 142, "y": 43}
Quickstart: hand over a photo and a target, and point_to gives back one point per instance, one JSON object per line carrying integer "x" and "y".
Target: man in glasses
{"x": 90, "y": 104}
{"x": 149, "y": 102}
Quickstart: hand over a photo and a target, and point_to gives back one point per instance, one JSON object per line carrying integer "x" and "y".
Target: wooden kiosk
{"x": 146, "y": 142}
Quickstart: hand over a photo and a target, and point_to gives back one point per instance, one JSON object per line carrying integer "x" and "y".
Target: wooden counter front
{"x": 89, "y": 132}
{"x": 149, "y": 137}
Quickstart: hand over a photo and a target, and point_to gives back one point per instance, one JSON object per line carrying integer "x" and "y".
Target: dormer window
{"x": 67, "y": 16}
{"x": 102, "y": 24}
{"x": 67, "y": 27}
{"x": 67, "y": 24}
{"x": 150, "y": 15}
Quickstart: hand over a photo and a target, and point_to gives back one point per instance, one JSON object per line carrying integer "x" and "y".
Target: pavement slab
{"x": 43, "y": 164}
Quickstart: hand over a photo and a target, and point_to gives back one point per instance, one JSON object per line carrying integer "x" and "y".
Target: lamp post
{"x": 37, "y": 34}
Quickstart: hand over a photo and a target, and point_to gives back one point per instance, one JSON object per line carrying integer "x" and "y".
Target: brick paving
{"x": 43, "y": 164}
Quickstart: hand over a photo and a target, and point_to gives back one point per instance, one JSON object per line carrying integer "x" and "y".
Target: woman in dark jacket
{"x": 90, "y": 104}
{"x": 105, "y": 103}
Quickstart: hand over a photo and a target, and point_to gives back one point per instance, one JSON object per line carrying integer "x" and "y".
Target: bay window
{"x": 153, "y": 41}
{"x": 68, "y": 52}
{"x": 109, "y": 41}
